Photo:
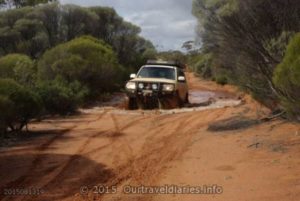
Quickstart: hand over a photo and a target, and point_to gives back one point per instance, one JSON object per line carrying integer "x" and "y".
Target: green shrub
{"x": 287, "y": 77}
{"x": 22, "y": 104}
{"x": 60, "y": 97}
{"x": 18, "y": 67}
{"x": 87, "y": 60}
{"x": 221, "y": 79}
{"x": 7, "y": 113}
{"x": 203, "y": 65}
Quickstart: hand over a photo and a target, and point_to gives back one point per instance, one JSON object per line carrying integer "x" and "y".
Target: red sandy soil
{"x": 113, "y": 147}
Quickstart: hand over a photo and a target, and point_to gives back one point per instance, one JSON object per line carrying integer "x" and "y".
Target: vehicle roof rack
{"x": 166, "y": 63}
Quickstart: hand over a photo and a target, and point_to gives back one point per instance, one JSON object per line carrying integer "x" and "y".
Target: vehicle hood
{"x": 156, "y": 80}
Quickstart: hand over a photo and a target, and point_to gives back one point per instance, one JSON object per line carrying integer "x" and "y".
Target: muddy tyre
{"x": 160, "y": 104}
{"x": 132, "y": 104}
{"x": 140, "y": 104}
{"x": 187, "y": 99}
{"x": 179, "y": 102}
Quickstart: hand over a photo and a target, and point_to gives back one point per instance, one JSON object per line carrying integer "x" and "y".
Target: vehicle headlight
{"x": 131, "y": 85}
{"x": 168, "y": 87}
{"x": 141, "y": 85}
{"x": 154, "y": 86}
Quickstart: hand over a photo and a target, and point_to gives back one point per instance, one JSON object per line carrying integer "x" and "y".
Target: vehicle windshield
{"x": 157, "y": 72}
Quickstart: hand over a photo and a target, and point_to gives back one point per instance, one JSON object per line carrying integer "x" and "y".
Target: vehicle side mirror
{"x": 132, "y": 76}
{"x": 181, "y": 79}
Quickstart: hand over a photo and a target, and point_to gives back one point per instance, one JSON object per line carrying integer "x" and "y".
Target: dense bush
{"x": 46, "y": 49}
{"x": 172, "y": 56}
{"x": 60, "y": 97}
{"x": 203, "y": 65}
{"x": 221, "y": 79}
{"x": 247, "y": 40}
{"x": 18, "y": 67}
{"x": 287, "y": 77}
{"x": 18, "y": 103}
{"x": 85, "y": 59}
{"x": 7, "y": 113}
{"x": 33, "y": 30}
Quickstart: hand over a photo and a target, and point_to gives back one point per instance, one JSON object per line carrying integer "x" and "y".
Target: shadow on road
{"x": 58, "y": 175}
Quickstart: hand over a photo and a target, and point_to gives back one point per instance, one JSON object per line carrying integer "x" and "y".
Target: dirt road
{"x": 72, "y": 158}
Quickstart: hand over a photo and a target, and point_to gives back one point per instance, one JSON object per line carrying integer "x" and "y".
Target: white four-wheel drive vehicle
{"x": 159, "y": 84}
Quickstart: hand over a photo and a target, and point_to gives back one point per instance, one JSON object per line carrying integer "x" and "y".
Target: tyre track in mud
{"x": 117, "y": 129}
{"x": 156, "y": 154}
{"x": 145, "y": 156}
{"x": 21, "y": 181}
{"x": 80, "y": 152}
{"x": 58, "y": 171}
{"x": 25, "y": 180}
{"x": 172, "y": 147}
{"x": 75, "y": 156}
{"x": 138, "y": 169}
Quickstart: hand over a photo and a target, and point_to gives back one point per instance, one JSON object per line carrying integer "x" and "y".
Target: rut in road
{"x": 115, "y": 132}
{"x": 110, "y": 146}
{"x": 62, "y": 171}
{"x": 69, "y": 163}
{"x": 29, "y": 178}
{"x": 161, "y": 145}
{"x": 25, "y": 179}
{"x": 158, "y": 150}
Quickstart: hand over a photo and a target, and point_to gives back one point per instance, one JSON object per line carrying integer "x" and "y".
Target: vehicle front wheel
{"x": 132, "y": 104}
{"x": 187, "y": 99}
{"x": 179, "y": 102}
{"x": 161, "y": 104}
{"x": 140, "y": 104}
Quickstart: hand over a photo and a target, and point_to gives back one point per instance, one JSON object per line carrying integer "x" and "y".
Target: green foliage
{"x": 277, "y": 46}
{"x": 247, "y": 40}
{"x": 87, "y": 60}
{"x": 204, "y": 9}
{"x": 288, "y": 72}
{"x": 221, "y": 79}
{"x": 35, "y": 2}
{"x": 287, "y": 77}
{"x": 107, "y": 24}
{"x": 22, "y": 104}
{"x": 202, "y": 65}
{"x": 18, "y": 67}
{"x": 67, "y": 67}
{"x": 172, "y": 56}
{"x": 7, "y": 113}
{"x": 78, "y": 21}
{"x": 60, "y": 97}
{"x": 33, "y": 30}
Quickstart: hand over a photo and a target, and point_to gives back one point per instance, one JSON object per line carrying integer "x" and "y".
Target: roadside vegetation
{"x": 252, "y": 44}
{"x": 55, "y": 58}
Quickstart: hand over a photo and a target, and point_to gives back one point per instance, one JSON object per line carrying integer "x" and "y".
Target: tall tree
{"x": 33, "y": 30}
{"x": 244, "y": 37}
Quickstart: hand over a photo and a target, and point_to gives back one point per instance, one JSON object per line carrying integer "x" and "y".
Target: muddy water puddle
{"x": 197, "y": 97}
{"x": 199, "y": 101}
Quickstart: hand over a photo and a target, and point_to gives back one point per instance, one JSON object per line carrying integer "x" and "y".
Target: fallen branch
{"x": 266, "y": 119}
